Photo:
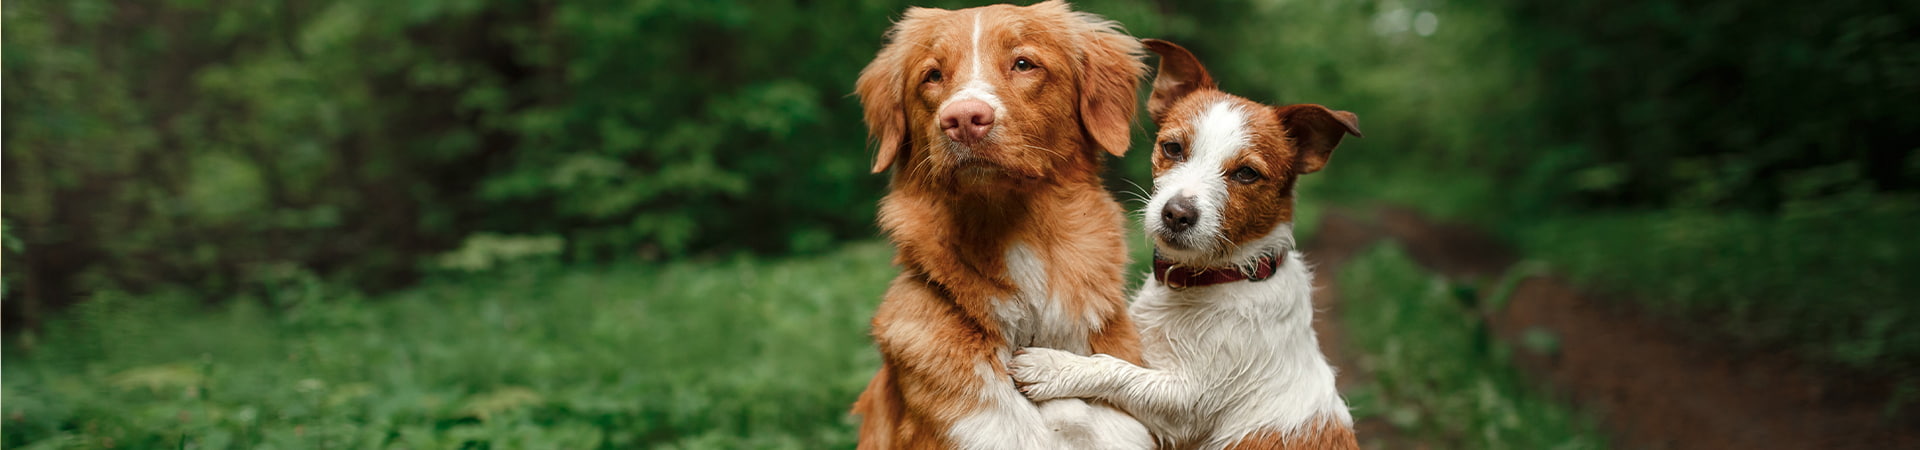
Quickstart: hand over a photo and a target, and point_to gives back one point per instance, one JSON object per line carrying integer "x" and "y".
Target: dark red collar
{"x": 1181, "y": 277}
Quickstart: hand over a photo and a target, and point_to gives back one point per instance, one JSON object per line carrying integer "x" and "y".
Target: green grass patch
{"x": 741, "y": 353}
{"x": 1835, "y": 287}
{"x": 1828, "y": 277}
{"x": 1438, "y": 372}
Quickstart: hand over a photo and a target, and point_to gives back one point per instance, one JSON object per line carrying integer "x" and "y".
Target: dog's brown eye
{"x": 1023, "y": 64}
{"x": 934, "y": 76}
{"x": 1246, "y": 175}
{"x": 1173, "y": 150}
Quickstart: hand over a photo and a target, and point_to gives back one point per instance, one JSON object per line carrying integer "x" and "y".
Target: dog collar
{"x": 1182, "y": 277}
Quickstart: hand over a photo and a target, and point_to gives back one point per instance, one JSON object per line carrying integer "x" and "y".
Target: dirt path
{"x": 1339, "y": 239}
{"x": 1651, "y": 386}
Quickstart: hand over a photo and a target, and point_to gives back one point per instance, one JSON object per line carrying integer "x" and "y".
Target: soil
{"x": 1652, "y": 385}
{"x": 1339, "y": 239}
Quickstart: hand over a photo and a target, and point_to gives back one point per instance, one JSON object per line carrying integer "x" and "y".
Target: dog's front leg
{"x": 1007, "y": 420}
{"x": 962, "y": 390}
{"x": 1045, "y": 374}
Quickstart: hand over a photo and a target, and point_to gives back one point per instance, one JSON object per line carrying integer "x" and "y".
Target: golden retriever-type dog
{"x": 994, "y": 121}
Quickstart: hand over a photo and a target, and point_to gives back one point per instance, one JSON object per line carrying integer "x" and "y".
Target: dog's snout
{"x": 1179, "y": 214}
{"x": 967, "y": 121}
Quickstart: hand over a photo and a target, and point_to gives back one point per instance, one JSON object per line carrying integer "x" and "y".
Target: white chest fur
{"x": 1223, "y": 361}
{"x": 1033, "y": 317}
{"x": 1249, "y": 350}
{"x": 1005, "y": 418}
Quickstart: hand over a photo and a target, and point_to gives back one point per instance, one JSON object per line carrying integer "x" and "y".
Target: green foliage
{"x": 1737, "y": 163}
{"x": 1727, "y": 104}
{"x": 9, "y": 246}
{"x": 1437, "y": 370}
{"x": 194, "y": 142}
{"x": 485, "y": 251}
{"x": 1456, "y": 98}
{"x": 218, "y": 144}
{"x": 742, "y": 353}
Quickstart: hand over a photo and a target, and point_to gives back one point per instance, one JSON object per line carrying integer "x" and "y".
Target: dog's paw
{"x": 1046, "y": 374}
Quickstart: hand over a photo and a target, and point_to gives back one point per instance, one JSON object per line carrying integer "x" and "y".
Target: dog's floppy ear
{"x": 880, "y": 96}
{"x": 879, "y": 88}
{"x": 1109, "y": 84}
{"x": 1315, "y": 131}
{"x": 1180, "y": 74}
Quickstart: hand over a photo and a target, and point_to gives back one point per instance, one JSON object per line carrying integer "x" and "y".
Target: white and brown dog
{"x": 1226, "y": 323}
{"x": 994, "y": 121}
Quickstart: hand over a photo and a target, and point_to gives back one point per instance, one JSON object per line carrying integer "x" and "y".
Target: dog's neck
{"x": 1180, "y": 277}
{"x": 969, "y": 244}
{"x": 1289, "y": 290}
{"x": 980, "y": 226}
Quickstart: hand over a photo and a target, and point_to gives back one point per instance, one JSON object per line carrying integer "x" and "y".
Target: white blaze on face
{"x": 1216, "y": 135}
{"x": 977, "y": 87}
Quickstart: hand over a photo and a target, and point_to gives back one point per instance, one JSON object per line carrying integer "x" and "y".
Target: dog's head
{"x": 989, "y": 97}
{"x": 1224, "y": 167}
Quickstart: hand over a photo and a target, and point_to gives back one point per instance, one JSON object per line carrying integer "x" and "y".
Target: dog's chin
{"x": 1183, "y": 249}
{"x": 977, "y": 172}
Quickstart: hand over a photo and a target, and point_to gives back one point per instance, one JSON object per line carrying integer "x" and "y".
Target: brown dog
{"x": 994, "y": 120}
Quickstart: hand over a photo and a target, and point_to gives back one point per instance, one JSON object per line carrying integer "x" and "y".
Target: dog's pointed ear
{"x": 1110, "y": 84}
{"x": 1180, "y": 74}
{"x": 1315, "y": 131}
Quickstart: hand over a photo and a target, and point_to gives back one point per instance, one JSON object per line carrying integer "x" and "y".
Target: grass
{"x": 1828, "y": 278}
{"x": 1438, "y": 372}
{"x": 1835, "y": 288}
{"x": 741, "y": 353}
{"x": 768, "y": 353}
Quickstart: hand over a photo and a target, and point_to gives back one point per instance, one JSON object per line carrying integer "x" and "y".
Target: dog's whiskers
{"x": 924, "y": 170}
{"x": 1054, "y": 153}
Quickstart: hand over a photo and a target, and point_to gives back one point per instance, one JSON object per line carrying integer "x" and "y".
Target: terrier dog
{"x": 1227, "y": 319}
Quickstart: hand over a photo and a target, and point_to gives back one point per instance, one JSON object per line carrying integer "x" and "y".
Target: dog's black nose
{"x": 1179, "y": 214}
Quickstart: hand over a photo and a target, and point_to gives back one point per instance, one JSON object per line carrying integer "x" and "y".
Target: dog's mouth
{"x": 1189, "y": 246}
{"x": 1171, "y": 240}
{"x": 1191, "y": 250}
{"x": 976, "y": 170}
{"x": 1184, "y": 247}
{"x": 974, "y": 167}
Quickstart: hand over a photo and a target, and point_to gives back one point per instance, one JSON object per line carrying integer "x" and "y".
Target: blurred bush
{"x": 1732, "y": 104}
{"x": 221, "y": 145}
{"x": 226, "y": 145}
{"x": 1724, "y": 105}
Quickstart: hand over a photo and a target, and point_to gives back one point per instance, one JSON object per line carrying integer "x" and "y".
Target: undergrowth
{"x": 1437, "y": 371}
{"x": 742, "y": 353}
